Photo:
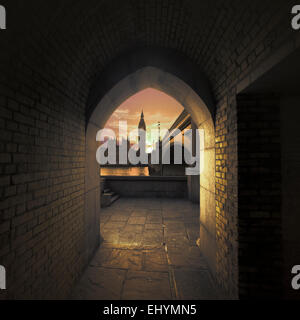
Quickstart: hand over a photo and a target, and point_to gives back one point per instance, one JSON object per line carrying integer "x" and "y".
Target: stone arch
{"x": 170, "y": 84}
{"x": 137, "y": 59}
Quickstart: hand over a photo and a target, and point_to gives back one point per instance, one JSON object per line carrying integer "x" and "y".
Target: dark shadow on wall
{"x": 269, "y": 175}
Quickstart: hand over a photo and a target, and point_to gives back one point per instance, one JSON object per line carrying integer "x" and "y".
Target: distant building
{"x": 142, "y": 124}
{"x": 142, "y": 135}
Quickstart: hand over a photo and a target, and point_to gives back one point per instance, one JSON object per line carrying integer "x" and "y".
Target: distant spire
{"x": 142, "y": 124}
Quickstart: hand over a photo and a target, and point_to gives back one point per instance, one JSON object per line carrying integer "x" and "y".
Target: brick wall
{"x": 226, "y": 196}
{"x": 54, "y": 52}
{"x": 42, "y": 180}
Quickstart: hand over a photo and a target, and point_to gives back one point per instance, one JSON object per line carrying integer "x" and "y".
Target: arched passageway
{"x": 56, "y": 71}
{"x": 201, "y": 112}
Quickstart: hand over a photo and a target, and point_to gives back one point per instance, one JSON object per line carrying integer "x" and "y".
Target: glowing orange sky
{"x": 157, "y": 106}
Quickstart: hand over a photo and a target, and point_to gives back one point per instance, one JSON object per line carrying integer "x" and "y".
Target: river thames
{"x": 124, "y": 171}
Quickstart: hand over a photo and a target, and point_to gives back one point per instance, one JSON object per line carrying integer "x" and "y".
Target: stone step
{"x": 108, "y": 197}
{"x": 102, "y": 184}
{"x": 115, "y": 198}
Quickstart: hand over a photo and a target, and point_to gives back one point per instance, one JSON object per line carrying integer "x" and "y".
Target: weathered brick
{"x": 45, "y": 85}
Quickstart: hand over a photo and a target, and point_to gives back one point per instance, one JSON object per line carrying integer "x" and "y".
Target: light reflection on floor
{"x": 148, "y": 252}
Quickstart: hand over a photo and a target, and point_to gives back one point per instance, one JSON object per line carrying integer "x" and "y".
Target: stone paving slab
{"x": 148, "y": 251}
{"x": 114, "y": 225}
{"x": 130, "y": 240}
{"x": 110, "y": 237}
{"x": 143, "y": 285}
{"x": 124, "y": 259}
{"x": 192, "y": 232}
{"x": 119, "y": 218}
{"x": 153, "y": 237}
{"x": 101, "y": 257}
{"x": 153, "y": 226}
{"x": 154, "y": 219}
{"x": 176, "y": 228}
{"x": 137, "y": 220}
{"x": 138, "y": 214}
{"x": 156, "y": 260}
{"x": 177, "y": 241}
{"x": 135, "y": 228}
{"x": 100, "y": 283}
{"x": 194, "y": 285}
{"x": 190, "y": 257}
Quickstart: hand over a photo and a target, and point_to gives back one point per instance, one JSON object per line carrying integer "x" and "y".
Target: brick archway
{"x": 156, "y": 78}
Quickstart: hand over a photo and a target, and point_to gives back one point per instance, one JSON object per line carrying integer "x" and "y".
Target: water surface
{"x": 125, "y": 171}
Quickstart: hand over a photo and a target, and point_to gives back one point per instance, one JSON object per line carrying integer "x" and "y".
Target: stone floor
{"x": 148, "y": 252}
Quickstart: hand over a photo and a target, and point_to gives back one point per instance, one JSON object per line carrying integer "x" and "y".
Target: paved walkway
{"x": 148, "y": 252}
